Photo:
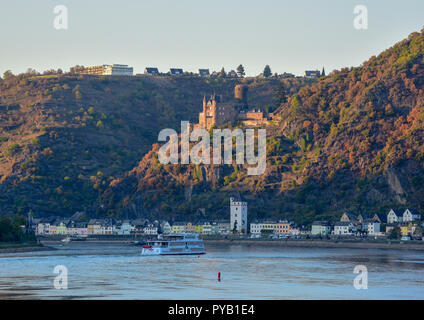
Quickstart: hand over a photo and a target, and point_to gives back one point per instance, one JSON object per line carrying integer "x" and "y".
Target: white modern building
{"x": 255, "y": 228}
{"x": 344, "y": 228}
{"x": 320, "y": 228}
{"x": 118, "y": 70}
{"x": 238, "y": 216}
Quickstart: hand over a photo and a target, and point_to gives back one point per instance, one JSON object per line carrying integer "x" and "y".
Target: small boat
{"x": 184, "y": 244}
{"x": 66, "y": 240}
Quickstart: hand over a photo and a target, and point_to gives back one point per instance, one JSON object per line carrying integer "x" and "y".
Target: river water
{"x": 117, "y": 271}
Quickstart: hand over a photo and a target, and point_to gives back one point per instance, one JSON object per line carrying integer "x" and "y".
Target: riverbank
{"x": 418, "y": 245}
{"x": 21, "y": 247}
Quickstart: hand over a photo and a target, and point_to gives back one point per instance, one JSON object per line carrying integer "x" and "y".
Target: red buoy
{"x": 219, "y": 276}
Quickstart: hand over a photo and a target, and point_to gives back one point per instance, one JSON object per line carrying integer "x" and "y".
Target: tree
{"x": 222, "y": 73}
{"x": 240, "y": 71}
{"x": 235, "y": 227}
{"x": 7, "y": 74}
{"x": 394, "y": 233}
{"x": 267, "y": 71}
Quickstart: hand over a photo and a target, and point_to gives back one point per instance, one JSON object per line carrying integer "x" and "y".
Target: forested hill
{"x": 350, "y": 142}
{"x": 64, "y": 138}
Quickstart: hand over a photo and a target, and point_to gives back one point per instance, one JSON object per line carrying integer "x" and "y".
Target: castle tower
{"x": 240, "y": 94}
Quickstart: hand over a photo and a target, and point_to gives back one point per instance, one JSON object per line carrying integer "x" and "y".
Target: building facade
{"x": 238, "y": 216}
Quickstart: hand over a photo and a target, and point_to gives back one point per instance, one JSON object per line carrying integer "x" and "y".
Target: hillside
{"x": 352, "y": 141}
{"x": 64, "y": 138}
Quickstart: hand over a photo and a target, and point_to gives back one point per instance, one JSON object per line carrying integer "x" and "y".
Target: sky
{"x": 290, "y": 36}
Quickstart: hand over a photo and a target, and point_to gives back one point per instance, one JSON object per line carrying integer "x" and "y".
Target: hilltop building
{"x": 106, "y": 69}
{"x": 176, "y": 71}
{"x": 204, "y": 73}
{"x": 311, "y": 74}
{"x": 151, "y": 71}
{"x": 216, "y": 111}
{"x": 238, "y": 216}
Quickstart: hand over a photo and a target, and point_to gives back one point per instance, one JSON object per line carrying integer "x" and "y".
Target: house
{"x": 256, "y": 227}
{"x": 116, "y": 227}
{"x": 198, "y": 228}
{"x": 232, "y": 74}
{"x": 284, "y": 227}
{"x": 223, "y": 227}
{"x": 204, "y": 73}
{"x": 126, "y": 227}
{"x": 310, "y": 74}
{"x": 320, "y": 228}
{"x": 178, "y": 227}
{"x": 151, "y": 229}
{"x": 393, "y": 217}
{"x": 343, "y": 228}
{"x": 81, "y": 228}
{"x": 151, "y": 71}
{"x": 94, "y": 227}
{"x": 166, "y": 227}
{"x": 61, "y": 227}
{"x": 176, "y": 72}
{"x": 373, "y": 228}
{"x": 349, "y": 217}
{"x": 238, "y": 216}
{"x": 207, "y": 228}
{"x": 189, "y": 227}
{"x": 43, "y": 227}
{"x": 407, "y": 228}
{"x": 409, "y": 216}
{"x": 106, "y": 227}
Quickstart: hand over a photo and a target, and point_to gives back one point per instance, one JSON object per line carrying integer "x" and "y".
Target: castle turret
{"x": 240, "y": 94}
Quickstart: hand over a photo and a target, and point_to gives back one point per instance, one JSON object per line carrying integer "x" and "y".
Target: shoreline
{"x": 25, "y": 248}
{"x": 322, "y": 244}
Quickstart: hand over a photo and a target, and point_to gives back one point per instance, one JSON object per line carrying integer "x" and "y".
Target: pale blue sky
{"x": 290, "y": 36}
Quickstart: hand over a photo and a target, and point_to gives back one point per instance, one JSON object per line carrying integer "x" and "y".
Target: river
{"x": 117, "y": 271}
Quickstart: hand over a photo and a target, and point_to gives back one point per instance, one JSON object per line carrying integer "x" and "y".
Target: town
{"x": 403, "y": 224}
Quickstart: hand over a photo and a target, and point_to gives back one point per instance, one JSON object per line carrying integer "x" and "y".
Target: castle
{"x": 217, "y": 112}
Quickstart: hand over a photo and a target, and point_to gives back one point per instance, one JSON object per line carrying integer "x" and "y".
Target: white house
{"x": 392, "y": 217}
{"x": 408, "y": 216}
{"x": 344, "y": 228}
{"x": 238, "y": 216}
{"x": 320, "y": 228}
{"x": 151, "y": 230}
{"x": 373, "y": 228}
{"x": 126, "y": 227}
{"x": 255, "y": 227}
{"x": 166, "y": 227}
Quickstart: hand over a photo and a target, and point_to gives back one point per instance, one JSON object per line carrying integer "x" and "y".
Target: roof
{"x": 151, "y": 70}
{"x": 312, "y": 73}
{"x": 204, "y": 71}
{"x": 176, "y": 71}
{"x": 342, "y": 224}
{"x": 320, "y": 223}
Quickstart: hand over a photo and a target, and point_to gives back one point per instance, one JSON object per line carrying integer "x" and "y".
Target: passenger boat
{"x": 184, "y": 244}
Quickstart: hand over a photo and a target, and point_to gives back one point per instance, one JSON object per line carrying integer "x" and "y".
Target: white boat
{"x": 66, "y": 240}
{"x": 183, "y": 244}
